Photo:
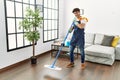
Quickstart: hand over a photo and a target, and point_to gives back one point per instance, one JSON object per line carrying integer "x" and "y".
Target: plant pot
{"x": 33, "y": 60}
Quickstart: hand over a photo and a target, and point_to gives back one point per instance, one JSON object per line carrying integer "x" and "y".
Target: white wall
{"x": 9, "y": 58}
{"x": 61, "y": 19}
{"x": 103, "y": 15}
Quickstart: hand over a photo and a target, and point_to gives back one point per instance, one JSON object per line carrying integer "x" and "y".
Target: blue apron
{"x": 77, "y": 37}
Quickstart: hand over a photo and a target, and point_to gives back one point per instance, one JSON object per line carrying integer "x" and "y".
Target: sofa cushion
{"x": 100, "y": 51}
{"x": 89, "y": 38}
{"x": 115, "y": 41}
{"x": 107, "y": 40}
{"x": 98, "y": 38}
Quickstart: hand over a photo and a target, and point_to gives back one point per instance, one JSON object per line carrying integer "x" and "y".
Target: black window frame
{"x": 15, "y": 18}
{"x": 51, "y": 23}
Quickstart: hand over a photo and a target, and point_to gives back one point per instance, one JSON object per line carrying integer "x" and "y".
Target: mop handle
{"x": 60, "y": 48}
{"x": 68, "y": 33}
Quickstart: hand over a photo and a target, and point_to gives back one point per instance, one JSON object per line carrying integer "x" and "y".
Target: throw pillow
{"x": 107, "y": 40}
{"x": 115, "y": 41}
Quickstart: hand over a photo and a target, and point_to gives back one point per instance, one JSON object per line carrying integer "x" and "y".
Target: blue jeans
{"x": 81, "y": 51}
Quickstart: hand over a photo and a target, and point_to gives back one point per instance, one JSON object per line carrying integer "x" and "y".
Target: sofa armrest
{"x": 117, "y": 52}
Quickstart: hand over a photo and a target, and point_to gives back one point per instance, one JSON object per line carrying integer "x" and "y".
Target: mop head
{"x": 52, "y": 67}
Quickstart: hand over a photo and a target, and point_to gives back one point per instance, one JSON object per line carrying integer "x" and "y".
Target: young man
{"x": 79, "y": 23}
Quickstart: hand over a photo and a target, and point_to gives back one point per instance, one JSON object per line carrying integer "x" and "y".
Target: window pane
{"x": 12, "y": 41}
{"x": 45, "y": 13}
{"x": 11, "y": 25}
{"x": 49, "y": 35}
{"x": 18, "y": 10}
{"x": 56, "y": 4}
{"x": 53, "y": 3}
{"x": 49, "y": 24}
{"x": 17, "y": 25}
{"x": 32, "y": 7}
{"x": 10, "y": 8}
{"x": 45, "y": 24}
{"x": 19, "y": 40}
{"x": 45, "y": 3}
{"x": 32, "y": 1}
{"x": 41, "y": 8}
{"x": 49, "y": 14}
{"x": 49, "y": 3}
{"x": 26, "y": 41}
{"x": 53, "y": 34}
{"x": 41, "y": 14}
{"x": 56, "y": 14}
{"x": 45, "y": 35}
{"x": 24, "y": 8}
{"x": 56, "y": 24}
{"x": 53, "y": 14}
{"x": 56, "y": 33}
{"x": 19, "y": 0}
{"x": 53, "y": 24}
{"x": 25, "y": 1}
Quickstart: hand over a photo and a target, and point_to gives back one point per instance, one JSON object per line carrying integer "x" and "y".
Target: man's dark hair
{"x": 76, "y": 9}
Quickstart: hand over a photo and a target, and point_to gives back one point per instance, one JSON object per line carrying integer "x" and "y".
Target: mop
{"x": 52, "y": 66}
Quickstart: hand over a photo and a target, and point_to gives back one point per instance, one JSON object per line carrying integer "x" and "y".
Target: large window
{"x": 51, "y": 20}
{"x": 15, "y": 12}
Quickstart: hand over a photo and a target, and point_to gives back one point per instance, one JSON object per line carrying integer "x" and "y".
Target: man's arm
{"x": 82, "y": 25}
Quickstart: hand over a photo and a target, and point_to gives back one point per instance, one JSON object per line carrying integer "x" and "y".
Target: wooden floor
{"x": 93, "y": 71}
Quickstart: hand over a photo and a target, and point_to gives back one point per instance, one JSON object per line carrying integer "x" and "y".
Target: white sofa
{"x": 95, "y": 52}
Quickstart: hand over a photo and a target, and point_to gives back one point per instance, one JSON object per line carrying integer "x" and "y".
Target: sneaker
{"x": 70, "y": 65}
{"x": 83, "y": 66}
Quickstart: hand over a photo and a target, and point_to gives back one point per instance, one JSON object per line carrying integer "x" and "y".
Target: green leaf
{"x": 31, "y": 24}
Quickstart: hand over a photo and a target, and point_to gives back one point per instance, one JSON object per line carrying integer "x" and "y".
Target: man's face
{"x": 77, "y": 14}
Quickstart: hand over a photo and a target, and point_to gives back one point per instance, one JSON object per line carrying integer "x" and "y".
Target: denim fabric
{"x": 77, "y": 40}
{"x": 78, "y": 36}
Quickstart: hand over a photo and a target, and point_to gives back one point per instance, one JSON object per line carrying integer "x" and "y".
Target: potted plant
{"x": 31, "y": 25}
